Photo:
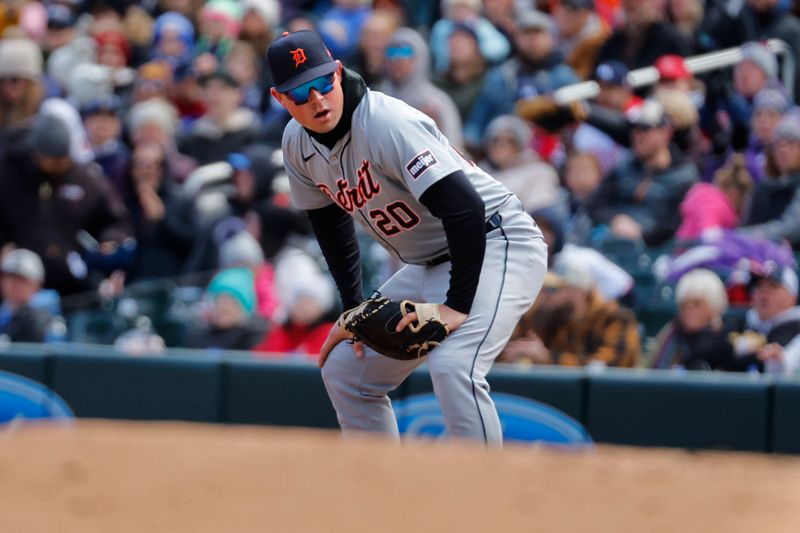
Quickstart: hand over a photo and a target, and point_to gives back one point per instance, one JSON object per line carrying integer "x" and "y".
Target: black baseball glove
{"x": 374, "y": 322}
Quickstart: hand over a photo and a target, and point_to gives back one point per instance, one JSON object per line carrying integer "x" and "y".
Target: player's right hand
{"x": 336, "y": 335}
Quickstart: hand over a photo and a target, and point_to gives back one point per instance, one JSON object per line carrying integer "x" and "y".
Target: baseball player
{"x": 354, "y": 153}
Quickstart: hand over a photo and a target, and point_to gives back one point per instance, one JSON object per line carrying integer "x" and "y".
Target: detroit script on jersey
{"x": 378, "y": 171}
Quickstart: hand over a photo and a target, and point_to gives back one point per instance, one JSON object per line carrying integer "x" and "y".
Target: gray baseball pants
{"x": 511, "y": 277}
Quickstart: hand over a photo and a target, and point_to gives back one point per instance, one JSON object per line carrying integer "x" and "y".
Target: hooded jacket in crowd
{"x": 651, "y": 198}
{"x": 418, "y": 91}
{"x": 45, "y": 214}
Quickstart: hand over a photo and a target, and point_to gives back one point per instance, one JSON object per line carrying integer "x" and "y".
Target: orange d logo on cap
{"x": 299, "y": 56}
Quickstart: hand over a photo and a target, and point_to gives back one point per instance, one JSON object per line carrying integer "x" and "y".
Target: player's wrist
{"x": 457, "y": 305}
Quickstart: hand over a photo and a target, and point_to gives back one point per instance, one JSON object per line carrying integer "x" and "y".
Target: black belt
{"x": 492, "y": 224}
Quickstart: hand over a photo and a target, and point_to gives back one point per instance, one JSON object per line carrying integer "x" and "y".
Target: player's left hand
{"x": 452, "y": 318}
{"x": 336, "y": 335}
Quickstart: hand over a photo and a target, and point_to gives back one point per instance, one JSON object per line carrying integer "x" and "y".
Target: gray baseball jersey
{"x": 378, "y": 172}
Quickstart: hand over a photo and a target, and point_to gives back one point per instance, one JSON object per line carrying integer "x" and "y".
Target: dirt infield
{"x": 158, "y": 477}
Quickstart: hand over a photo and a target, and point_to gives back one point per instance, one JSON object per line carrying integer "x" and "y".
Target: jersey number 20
{"x": 394, "y": 218}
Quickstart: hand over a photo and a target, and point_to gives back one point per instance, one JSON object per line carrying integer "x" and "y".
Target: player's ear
{"x": 277, "y": 96}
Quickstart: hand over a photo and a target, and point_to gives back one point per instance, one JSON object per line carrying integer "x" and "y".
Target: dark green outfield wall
{"x": 636, "y": 407}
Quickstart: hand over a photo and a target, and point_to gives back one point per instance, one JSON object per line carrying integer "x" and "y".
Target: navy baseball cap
{"x": 611, "y": 72}
{"x": 297, "y": 58}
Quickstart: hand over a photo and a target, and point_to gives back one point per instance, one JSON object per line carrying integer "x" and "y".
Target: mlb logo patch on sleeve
{"x": 421, "y": 162}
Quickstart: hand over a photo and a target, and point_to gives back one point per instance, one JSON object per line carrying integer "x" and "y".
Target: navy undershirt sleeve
{"x": 455, "y": 201}
{"x": 336, "y": 234}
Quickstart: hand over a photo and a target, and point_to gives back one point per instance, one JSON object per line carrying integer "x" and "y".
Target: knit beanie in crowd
{"x": 89, "y": 83}
{"x": 511, "y": 125}
{"x": 117, "y": 39}
{"x": 237, "y": 283}
{"x": 50, "y": 136}
{"x": 20, "y": 58}
{"x": 788, "y": 129}
{"x": 153, "y": 111}
{"x": 762, "y": 57}
{"x": 771, "y": 99}
{"x": 241, "y": 250}
{"x": 228, "y": 12}
{"x": 268, "y": 10}
{"x": 174, "y": 22}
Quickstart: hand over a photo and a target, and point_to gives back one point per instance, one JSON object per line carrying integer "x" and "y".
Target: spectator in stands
{"x": 61, "y": 27}
{"x": 104, "y": 131}
{"x": 259, "y": 25}
{"x": 253, "y": 175}
{"x": 370, "y": 56}
{"x": 153, "y": 80}
{"x": 114, "y": 53}
{"x": 759, "y": 20}
{"x": 610, "y": 280}
{"x": 673, "y": 74}
{"x": 502, "y": 14}
{"x": 249, "y": 205}
{"x": 21, "y": 90}
{"x": 226, "y": 127}
{"x": 574, "y": 325}
{"x": 48, "y": 198}
{"x": 407, "y": 79}
{"x": 219, "y": 23}
{"x": 644, "y": 37}
{"x": 685, "y": 121}
{"x": 775, "y": 206}
{"x": 696, "y": 338}
{"x": 769, "y": 106}
{"x": 21, "y": 277}
{"x": 186, "y": 94}
{"x": 341, "y": 25}
{"x": 640, "y": 198}
{"x": 581, "y": 33}
{"x": 511, "y": 161}
{"x": 493, "y": 44}
{"x": 243, "y": 251}
{"x": 538, "y": 69}
{"x": 582, "y": 176}
{"x": 697, "y": 21}
{"x": 717, "y": 206}
{"x": 307, "y": 320}
{"x": 155, "y": 121}
{"x": 761, "y": 339}
{"x": 244, "y": 66}
{"x": 757, "y": 70}
{"x": 231, "y": 323}
{"x": 466, "y": 72}
{"x": 163, "y": 237}
{"x": 604, "y": 131}
{"x": 173, "y": 39}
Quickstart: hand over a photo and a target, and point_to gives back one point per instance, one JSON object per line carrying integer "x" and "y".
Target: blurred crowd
{"x": 143, "y": 200}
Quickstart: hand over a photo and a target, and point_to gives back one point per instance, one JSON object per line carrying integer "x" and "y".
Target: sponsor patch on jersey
{"x": 421, "y": 162}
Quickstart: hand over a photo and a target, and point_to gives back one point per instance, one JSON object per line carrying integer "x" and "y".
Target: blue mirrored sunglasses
{"x": 399, "y": 52}
{"x": 300, "y": 95}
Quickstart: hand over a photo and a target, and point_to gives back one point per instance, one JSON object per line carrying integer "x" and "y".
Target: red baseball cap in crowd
{"x": 672, "y": 68}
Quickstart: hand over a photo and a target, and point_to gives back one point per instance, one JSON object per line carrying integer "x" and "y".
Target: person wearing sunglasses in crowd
{"x": 407, "y": 67}
{"x": 465, "y": 241}
{"x": 640, "y": 198}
